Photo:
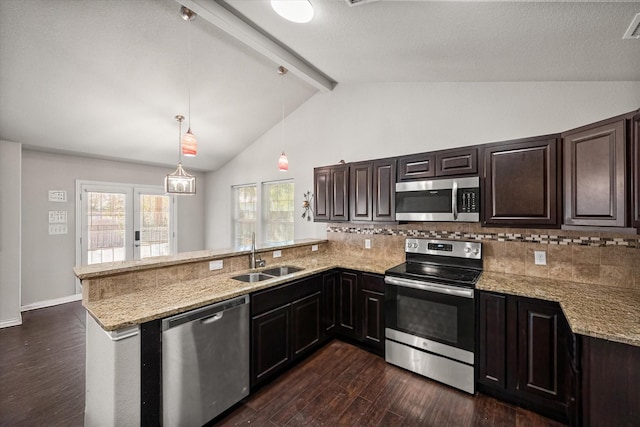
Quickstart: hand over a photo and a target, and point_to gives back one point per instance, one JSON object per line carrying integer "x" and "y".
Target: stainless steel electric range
{"x": 430, "y": 310}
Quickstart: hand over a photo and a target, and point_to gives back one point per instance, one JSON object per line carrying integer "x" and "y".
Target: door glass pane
{"x": 154, "y": 225}
{"x": 106, "y": 227}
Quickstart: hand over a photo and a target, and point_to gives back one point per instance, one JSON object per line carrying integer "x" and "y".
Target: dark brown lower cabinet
{"x": 286, "y": 323}
{"x": 329, "y": 302}
{"x": 270, "y": 348}
{"x": 371, "y": 295}
{"x": 306, "y": 323}
{"x": 610, "y": 383}
{"x": 347, "y": 304}
{"x": 526, "y": 354}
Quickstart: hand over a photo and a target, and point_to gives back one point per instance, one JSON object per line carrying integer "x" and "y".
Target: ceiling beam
{"x": 244, "y": 31}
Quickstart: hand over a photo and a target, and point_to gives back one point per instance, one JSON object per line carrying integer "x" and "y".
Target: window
{"x": 277, "y": 212}
{"x": 244, "y": 215}
{"x": 266, "y": 210}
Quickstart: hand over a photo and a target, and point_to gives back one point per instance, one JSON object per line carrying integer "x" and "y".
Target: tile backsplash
{"x": 589, "y": 257}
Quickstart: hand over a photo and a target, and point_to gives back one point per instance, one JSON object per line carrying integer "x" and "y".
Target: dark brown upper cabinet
{"x": 635, "y": 167}
{"x": 331, "y": 201}
{"x": 462, "y": 161}
{"x": 384, "y": 190}
{"x": 372, "y": 190}
{"x": 522, "y": 182}
{"x": 595, "y": 184}
{"x": 360, "y": 189}
{"x": 416, "y": 166}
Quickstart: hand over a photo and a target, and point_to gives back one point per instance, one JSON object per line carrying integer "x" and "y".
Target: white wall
{"x": 10, "y": 164}
{"x": 47, "y": 260}
{"x": 374, "y": 120}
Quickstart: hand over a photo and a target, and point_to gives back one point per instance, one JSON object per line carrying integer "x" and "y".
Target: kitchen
{"x": 355, "y": 122}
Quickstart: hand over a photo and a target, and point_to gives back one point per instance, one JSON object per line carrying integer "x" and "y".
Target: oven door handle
{"x": 431, "y": 287}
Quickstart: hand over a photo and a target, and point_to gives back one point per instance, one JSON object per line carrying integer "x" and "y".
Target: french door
{"x": 124, "y": 222}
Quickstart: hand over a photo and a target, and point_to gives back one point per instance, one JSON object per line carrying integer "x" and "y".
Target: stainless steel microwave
{"x": 453, "y": 199}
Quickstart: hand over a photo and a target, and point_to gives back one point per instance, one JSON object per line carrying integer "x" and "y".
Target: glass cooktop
{"x": 435, "y": 272}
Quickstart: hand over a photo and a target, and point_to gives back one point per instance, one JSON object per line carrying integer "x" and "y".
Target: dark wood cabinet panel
{"x": 492, "y": 368}
{"x": 322, "y": 194}
{"x": 373, "y": 318}
{"x": 306, "y": 323}
{"x": 329, "y": 296}
{"x": 361, "y": 186}
{"x": 540, "y": 359}
{"x": 594, "y": 174}
{"x": 347, "y": 303}
{"x": 457, "y": 162}
{"x": 372, "y": 311}
{"x": 331, "y": 198}
{"x": 339, "y": 205}
{"x": 635, "y": 169}
{"x": 524, "y": 351}
{"x": 416, "y": 166}
{"x": 610, "y": 383}
{"x": 286, "y": 322}
{"x": 521, "y": 185}
{"x": 271, "y": 349}
{"x": 384, "y": 190}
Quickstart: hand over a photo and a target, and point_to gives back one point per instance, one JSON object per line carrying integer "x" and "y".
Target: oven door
{"x": 430, "y": 311}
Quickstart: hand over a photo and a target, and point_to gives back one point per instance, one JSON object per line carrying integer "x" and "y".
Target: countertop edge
{"x": 108, "y": 269}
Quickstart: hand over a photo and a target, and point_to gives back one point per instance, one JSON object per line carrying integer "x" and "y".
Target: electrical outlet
{"x": 277, "y": 254}
{"x": 540, "y": 257}
{"x": 216, "y": 265}
{"x": 367, "y": 243}
{"x": 314, "y": 248}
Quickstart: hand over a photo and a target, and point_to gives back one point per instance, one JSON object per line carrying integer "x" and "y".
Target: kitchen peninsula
{"x": 121, "y": 297}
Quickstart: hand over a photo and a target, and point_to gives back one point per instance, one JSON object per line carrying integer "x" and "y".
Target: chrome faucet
{"x": 253, "y": 262}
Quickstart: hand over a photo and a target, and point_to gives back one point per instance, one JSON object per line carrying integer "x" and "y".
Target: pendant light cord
{"x": 282, "y": 92}
{"x": 189, "y": 76}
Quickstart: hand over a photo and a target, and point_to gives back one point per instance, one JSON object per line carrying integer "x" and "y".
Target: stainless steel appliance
{"x": 205, "y": 362}
{"x": 429, "y": 310}
{"x": 455, "y": 199}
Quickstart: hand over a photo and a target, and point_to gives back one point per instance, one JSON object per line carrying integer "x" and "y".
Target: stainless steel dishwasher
{"x": 205, "y": 362}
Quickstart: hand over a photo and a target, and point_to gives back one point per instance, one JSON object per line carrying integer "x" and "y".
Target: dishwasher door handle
{"x": 212, "y": 319}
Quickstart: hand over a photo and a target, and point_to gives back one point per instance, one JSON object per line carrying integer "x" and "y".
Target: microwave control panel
{"x": 469, "y": 200}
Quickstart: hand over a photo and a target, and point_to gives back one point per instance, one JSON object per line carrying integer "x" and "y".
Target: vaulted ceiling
{"x": 106, "y": 78}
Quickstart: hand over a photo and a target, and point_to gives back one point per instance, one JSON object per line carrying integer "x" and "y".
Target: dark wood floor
{"x": 42, "y": 368}
{"x": 344, "y": 385}
{"x": 42, "y": 383}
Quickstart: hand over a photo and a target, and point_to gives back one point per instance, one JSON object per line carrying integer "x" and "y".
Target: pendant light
{"x": 189, "y": 143}
{"x": 283, "y": 162}
{"x": 180, "y": 182}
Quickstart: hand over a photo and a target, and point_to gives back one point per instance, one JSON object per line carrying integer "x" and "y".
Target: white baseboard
{"x": 13, "y": 322}
{"x": 51, "y": 302}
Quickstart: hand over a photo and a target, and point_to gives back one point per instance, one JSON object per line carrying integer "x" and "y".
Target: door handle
{"x": 212, "y": 319}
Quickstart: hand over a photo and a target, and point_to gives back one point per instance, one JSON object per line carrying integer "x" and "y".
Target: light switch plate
{"x": 216, "y": 265}
{"x": 540, "y": 257}
{"x": 314, "y": 248}
{"x": 367, "y": 243}
{"x": 277, "y": 254}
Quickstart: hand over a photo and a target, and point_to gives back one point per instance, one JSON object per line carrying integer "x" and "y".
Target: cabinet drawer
{"x": 268, "y": 299}
{"x": 373, "y": 282}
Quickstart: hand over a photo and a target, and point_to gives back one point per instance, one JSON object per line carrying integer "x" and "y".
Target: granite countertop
{"x": 109, "y": 268}
{"x": 597, "y": 311}
{"x": 155, "y": 303}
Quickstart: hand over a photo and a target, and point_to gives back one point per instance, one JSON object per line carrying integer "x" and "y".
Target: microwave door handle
{"x": 454, "y": 200}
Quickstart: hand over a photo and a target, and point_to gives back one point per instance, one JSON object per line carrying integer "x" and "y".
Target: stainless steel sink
{"x": 253, "y": 277}
{"x": 282, "y": 271}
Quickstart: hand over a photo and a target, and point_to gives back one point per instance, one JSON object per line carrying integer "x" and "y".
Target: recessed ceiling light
{"x": 299, "y": 11}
